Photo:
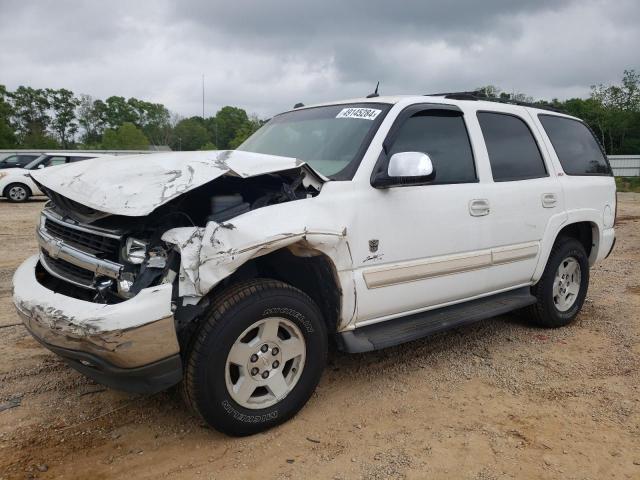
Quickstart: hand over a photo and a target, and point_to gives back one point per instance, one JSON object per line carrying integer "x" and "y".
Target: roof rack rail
{"x": 458, "y": 95}
{"x": 479, "y": 95}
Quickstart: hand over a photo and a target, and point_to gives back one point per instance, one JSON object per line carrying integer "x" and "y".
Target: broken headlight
{"x": 135, "y": 251}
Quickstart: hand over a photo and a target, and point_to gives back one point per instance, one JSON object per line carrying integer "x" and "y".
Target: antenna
{"x": 375, "y": 93}
{"x": 203, "y": 96}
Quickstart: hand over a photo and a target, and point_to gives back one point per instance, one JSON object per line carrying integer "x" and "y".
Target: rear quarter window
{"x": 576, "y": 147}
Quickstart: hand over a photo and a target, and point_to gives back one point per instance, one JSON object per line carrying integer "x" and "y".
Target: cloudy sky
{"x": 267, "y": 55}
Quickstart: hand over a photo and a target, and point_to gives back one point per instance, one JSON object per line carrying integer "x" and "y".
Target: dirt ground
{"x": 497, "y": 399}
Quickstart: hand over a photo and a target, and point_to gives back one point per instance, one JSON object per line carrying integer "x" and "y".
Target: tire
{"x": 240, "y": 325}
{"x": 559, "y": 299}
{"x": 17, "y": 192}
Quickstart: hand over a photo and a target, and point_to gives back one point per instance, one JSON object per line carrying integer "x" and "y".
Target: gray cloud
{"x": 266, "y": 56}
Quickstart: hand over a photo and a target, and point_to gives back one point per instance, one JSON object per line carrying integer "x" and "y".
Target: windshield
{"x": 327, "y": 138}
{"x": 34, "y": 164}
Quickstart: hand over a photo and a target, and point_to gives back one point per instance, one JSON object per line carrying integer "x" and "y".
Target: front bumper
{"x": 131, "y": 345}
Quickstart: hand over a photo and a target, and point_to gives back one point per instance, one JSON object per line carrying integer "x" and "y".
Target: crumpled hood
{"x": 135, "y": 185}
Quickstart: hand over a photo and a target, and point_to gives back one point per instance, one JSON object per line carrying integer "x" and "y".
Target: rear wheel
{"x": 257, "y": 357}
{"x": 563, "y": 287}
{"x": 17, "y": 192}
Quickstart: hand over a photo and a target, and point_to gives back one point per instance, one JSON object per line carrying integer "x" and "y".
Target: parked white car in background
{"x": 16, "y": 184}
{"x": 371, "y": 221}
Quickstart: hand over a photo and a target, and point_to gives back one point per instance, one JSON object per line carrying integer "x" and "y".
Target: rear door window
{"x": 577, "y": 149}
{"x": 513, "y": 151}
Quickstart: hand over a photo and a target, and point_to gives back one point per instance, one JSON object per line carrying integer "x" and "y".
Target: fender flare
{"x": 555, "y": 226}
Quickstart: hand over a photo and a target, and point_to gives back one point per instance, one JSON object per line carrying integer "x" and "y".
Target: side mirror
{"x": 40, "y": 166}
{"x": 406, "y": 168}
{"x": 410, "y": 164}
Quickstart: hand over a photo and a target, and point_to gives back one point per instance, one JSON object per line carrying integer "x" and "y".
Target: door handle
{"x": 549, "y": 200}
{"x": 479, "y": 207}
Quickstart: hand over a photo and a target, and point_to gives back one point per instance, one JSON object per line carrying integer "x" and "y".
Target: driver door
{"x": 423, "y": 245}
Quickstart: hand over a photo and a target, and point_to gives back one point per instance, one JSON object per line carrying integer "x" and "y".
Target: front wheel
{"x": 256, "y": 358}
{"x": 563, "y": 286}
{"x": 17, "y": 192}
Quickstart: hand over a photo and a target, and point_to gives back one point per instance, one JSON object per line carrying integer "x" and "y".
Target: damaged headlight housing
{"x": 135, "y": 251}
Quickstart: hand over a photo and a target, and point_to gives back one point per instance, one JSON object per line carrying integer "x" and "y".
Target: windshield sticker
{"x": 362, "y": 113}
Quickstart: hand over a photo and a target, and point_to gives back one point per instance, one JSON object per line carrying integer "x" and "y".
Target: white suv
{"x": 16, "y": 184}
{"x": 371, "y": 222}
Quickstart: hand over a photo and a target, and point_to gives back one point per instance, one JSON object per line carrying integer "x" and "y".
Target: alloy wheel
{"x": 265, "y": 363}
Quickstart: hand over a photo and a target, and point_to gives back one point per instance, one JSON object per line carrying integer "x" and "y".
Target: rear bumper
{"x": 131, "y": 345}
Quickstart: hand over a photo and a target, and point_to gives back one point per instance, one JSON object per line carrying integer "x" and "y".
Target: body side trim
{"x": 387, "y": 275}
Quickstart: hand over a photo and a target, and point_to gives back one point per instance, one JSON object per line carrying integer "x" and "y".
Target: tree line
{"x": 46, "y": 118}
{"x": 612, "y": 111}
{"x": 50, "y": 118}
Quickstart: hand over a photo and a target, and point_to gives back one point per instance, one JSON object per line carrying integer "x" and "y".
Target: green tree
{"x": 153, "y": 118}
{"x": 245, "y": 131}
{"x": 155, "y": 121}
{"x": 208, "y": 146}
{"x": 228, "y": 122}
{"x": 118, "y": 112}
{"x": 63, "y": 122}
{"x": 37, "y": 138}
{"x": 189, "y": 134}
{"x": 7, "y": 136}
{"x": 488, "y": 91}
{"x": 91, "y": 117}
{"x": 616, "y": 113}
{"x": 30, "y": 112}
{"x": 126, "y": 137}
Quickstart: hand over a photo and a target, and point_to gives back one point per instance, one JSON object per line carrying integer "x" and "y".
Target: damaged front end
{"x": 123, "y": 244}
{"x": 111, "y": 255}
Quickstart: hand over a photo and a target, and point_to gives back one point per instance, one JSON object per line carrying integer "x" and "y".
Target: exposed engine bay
{"x": 129, "y": 252}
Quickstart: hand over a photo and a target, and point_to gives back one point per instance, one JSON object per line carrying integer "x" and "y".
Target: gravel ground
{"x": 498, "y": 399}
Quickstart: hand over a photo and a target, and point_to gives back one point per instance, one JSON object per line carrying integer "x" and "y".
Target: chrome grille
{"x": 93, "y": 243}
{"x": 76, "y": 253}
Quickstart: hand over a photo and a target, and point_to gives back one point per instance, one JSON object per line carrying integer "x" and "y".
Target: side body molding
{"x": 445, "y": 265}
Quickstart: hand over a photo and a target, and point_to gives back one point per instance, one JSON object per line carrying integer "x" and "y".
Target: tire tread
{"x": 538, "y": 312}
{"x": 224, "y": 302}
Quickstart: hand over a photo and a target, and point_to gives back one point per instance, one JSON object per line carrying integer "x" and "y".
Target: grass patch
{"x": 628, "y": 184}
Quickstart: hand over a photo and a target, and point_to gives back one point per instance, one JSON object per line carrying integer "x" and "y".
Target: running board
{"x": 404, "y": 329}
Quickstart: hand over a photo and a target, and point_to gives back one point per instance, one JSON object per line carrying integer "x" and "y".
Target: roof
{"x": 391, "y": 99}
{"x": 444, "y": 98}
